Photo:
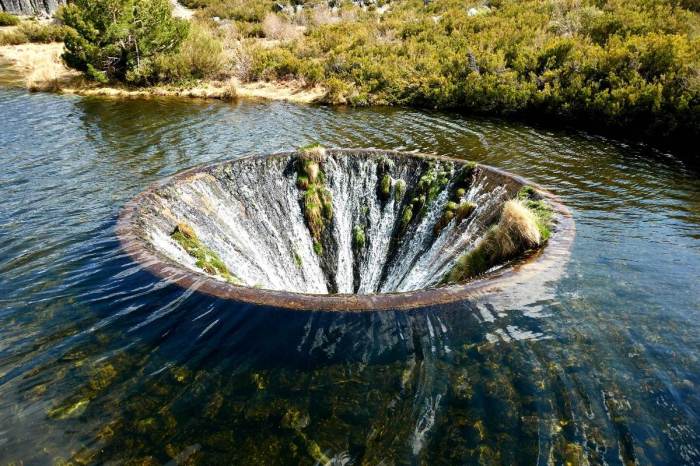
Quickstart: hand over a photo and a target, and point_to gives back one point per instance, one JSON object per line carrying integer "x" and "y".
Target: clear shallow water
{"x": 101, "y": 362}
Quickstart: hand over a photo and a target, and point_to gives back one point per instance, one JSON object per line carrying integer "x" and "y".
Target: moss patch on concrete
{"x": 205, "y": 258}
{"x": 317, "y": 200}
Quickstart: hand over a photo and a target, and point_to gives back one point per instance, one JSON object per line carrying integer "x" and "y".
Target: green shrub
{"x": 121, "y": 39}
{"x": 611, "y": 64}
{"x": 200, "y": 56}
{"x": 7, "y": 19}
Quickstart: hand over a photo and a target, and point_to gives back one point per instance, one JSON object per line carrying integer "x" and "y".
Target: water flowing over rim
{"x": 555, "y": 252}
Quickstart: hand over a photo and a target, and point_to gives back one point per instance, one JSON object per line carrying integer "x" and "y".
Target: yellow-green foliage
{"x": 464, "y": 209}
{"x": 407, "y": 216}
{"x": 615, "y": 64}
{"x": 32, "y": 31}
{"x": 518, "y": 230}
{"x": 206, "y": 259}
{"x": 453, "y": 210}
{"x": 358, "y": 237}
{"x": 314, "y": 151}
{"x": 399, "y": 190}
{"x": 7, "y": 19}
{"x": 457, "y": 208}
{"x": 239, "y": 10}
{"x": 385, "y": 187}
{"x": 317, "y": 199}
{"x": 14, "y": 37}
{"x": 433, "y": 180}
{"x": 201, "y": 55}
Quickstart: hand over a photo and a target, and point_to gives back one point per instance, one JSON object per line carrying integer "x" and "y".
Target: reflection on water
{"x": 100, "y": 361}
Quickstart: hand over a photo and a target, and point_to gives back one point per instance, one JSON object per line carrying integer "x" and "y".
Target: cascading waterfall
{"x": 387, "y": 229}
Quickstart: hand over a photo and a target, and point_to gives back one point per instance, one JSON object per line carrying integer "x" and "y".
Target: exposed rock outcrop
{"x": 31, "y": 7}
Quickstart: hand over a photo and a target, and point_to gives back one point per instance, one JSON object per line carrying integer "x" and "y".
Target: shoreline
{"x": 40, "y": 69}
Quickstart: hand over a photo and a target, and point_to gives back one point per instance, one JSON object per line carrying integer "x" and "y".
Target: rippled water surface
{"x": 101, "y": 362}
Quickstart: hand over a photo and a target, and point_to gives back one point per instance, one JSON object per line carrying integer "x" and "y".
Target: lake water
{"x": 100, "y": 362}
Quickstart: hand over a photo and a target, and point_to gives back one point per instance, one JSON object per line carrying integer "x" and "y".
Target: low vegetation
{"x": 358, "y": 237}
{"x": 622, "y": 67}
{"x": 7, "y": 19}
{"x": 433, "y": 180}
{"x": 33, "y": 32}
{"x": 205, "y": 258}
{"x": 629, "y": 67}
{"x": 317, "y": 200}
{"x": 524, "y": 224}
{"x": 458, "y": 208}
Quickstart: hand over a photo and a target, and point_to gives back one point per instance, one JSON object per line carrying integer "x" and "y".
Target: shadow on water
{"x": 101, "y": 362}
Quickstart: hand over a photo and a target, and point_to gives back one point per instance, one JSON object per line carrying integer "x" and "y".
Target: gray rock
{"x": 31, "y": 7}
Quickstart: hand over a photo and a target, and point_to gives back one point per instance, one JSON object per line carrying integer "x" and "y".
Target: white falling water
{"x": 250, "y": 213}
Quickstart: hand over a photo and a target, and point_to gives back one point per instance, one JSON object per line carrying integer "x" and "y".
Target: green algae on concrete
{"x": 358, "y": 237}
{"x": 206, "y": 259}
{"x": 317, "y": 200}
{"x": 457, "y": 208}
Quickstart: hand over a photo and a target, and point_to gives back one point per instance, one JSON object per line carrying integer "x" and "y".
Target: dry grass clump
{"x": 32, "y": 31}
{"x": 322, "y": 14}
{"x": 41, "y": 66}
{"x": 13, "y": 37}
{"x": 278, "y": 28}
{"x": 230, "y": 92}
{"x": 315, "y": 152}
{"x": 517, "y": 231}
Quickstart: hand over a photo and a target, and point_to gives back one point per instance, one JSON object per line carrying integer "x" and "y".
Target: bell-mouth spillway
{"x": 337, "y": 229}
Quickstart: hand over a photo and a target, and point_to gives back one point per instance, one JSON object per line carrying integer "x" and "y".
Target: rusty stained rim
{"x": 555, "y": 252}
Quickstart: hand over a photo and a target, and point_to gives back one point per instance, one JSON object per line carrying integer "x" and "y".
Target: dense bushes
{"x": 613, "y": 64}
{"x": 120, "y": 39}
{"x": 617, "y": 65}
{"x": 199, "y": 56}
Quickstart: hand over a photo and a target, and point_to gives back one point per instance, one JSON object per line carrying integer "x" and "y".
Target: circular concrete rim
{"x": 554, "y": 252}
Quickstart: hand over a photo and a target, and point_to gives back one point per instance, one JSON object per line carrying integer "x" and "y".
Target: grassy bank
{"x": 627, "y": 68}
{"x": 34, "y": 49}
{"x": 630, "y": 68}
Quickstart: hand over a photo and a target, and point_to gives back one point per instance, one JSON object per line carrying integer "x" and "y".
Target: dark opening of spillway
{"x": 344, "y": 229}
